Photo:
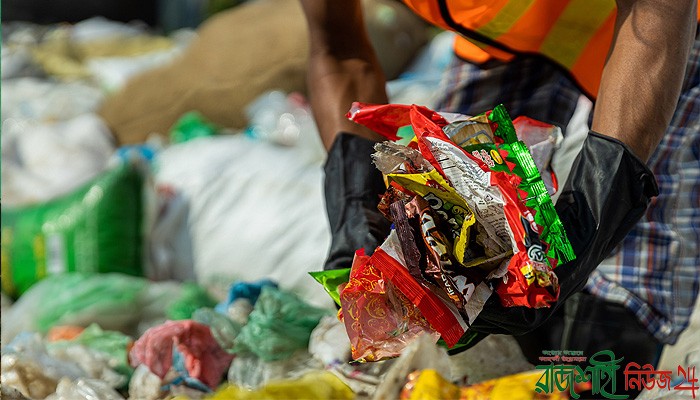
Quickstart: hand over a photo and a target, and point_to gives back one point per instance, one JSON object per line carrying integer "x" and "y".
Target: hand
{"x": 608, "y": 190}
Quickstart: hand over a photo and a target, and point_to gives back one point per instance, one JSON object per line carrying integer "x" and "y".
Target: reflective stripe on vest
{"x": 576, "y": 34}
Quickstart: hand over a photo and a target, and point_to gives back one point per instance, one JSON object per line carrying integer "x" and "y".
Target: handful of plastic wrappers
{"x": 471, "y": 216}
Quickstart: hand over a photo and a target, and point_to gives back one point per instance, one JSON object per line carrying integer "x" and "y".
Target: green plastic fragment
{"x": 190, "y": 126}
{"x": 193, "y": 297}
{"x": 331, "y": 280}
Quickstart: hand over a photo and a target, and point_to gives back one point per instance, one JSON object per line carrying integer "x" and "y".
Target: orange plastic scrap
{"x": 64, "y": 332}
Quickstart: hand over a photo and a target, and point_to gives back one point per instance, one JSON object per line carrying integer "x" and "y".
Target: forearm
{"x": 644, "y": 71}
{"x": 342, "y": 66}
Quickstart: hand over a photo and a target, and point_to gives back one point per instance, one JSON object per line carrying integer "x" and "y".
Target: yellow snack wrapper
{"x": 429, "y": 384}
{"x": 312, "y": 386}
{"x": 445, "y": 201}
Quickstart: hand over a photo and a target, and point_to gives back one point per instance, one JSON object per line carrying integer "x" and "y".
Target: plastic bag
{"x": 329, "y": 343}
{"x": 89, "y": 389}
{"x": 145, "y": 385}
{"x": 280, "y": 324}
{"x": 220, "y": 194}
{"x": 113, "y": 345}
{"x": 421, "y": 354}
{"x": 114, "y": 301}
{"x": 28, "y": 368}
{"x": 109, "y": 300}
{"x": 35, "y": 370}
{"x": 44, "y": 161}
{"x": 222, "y": 328}
{"x": 95, "y": 229}
{"x": 95, "y": 364}
{"x": 185, "y": 345}
{"x": 251, "y": 372}
{"x": 244, "y": 290}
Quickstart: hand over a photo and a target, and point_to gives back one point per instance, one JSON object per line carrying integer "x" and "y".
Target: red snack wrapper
{"x": 441, "y": 313}
{"x": 380, "y": 320}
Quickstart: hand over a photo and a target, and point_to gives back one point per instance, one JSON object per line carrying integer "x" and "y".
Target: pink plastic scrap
{"x": 205, "y": 360}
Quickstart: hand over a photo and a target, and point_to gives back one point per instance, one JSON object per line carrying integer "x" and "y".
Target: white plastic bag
{"x": 256, "y": 211}
{"x": 28, "y": 367}
{"x": 84, "y": 389}
{"x": 41, "y": 161}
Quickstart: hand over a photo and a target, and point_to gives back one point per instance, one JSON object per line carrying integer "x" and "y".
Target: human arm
{"x": 342, "y": 66}
{"x": 644, "y": 71}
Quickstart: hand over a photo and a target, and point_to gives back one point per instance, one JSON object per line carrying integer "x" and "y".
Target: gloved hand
{"x": 353, "y": 186}
{"x": 608, "y": 190}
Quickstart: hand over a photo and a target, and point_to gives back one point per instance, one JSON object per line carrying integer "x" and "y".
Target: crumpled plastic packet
{"x": 512, "y": 207}
{"x": 379, "y": 319}
{"x": 422, "y": 354}
{"x": 442, "y": 314}
{"x": 541, "y": 139}
{"x": 202, "y": 357}
{"x": 471, "y": 216}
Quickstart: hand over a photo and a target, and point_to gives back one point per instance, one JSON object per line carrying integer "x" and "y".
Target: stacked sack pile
{"x": 471, "y": 216}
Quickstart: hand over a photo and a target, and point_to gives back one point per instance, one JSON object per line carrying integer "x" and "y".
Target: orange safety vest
{"x": 576, "y": 34}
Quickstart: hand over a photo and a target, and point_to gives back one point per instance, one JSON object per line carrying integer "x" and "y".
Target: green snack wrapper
{"x": 331, "y": 280}
{"x": 518, "y": 161}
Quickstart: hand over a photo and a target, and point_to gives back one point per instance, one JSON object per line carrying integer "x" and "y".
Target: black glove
{"x": 353, "y": 186}
{"x": 608, "y": 190}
